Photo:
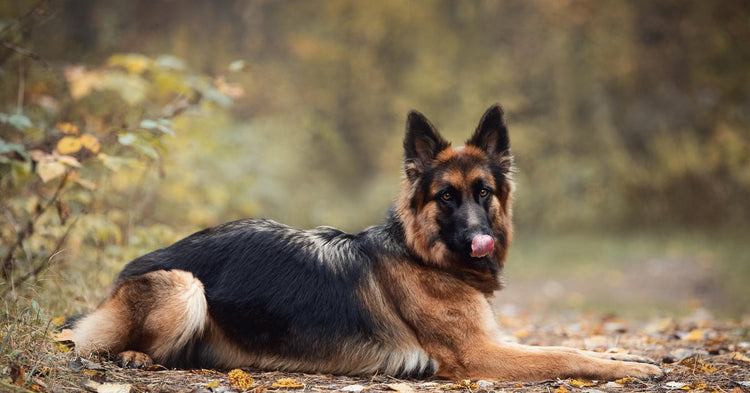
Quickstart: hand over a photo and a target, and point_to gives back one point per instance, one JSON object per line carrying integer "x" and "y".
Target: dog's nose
{"x": 481, "y": 245}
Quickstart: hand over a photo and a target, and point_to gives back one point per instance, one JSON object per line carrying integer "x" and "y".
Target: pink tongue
{"x": 481, "y": 245}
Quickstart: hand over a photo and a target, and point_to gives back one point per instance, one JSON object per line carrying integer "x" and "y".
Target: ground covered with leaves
{"x": 697, "y": 353}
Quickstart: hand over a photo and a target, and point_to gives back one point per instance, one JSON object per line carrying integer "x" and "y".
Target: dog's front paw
{"x": 630, "y": 358}
{"x": 133, "y": 359}
{"x": 641, "y": 371}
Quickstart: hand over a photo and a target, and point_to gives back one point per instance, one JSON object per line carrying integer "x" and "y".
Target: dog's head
{"x": 455, "y": 203}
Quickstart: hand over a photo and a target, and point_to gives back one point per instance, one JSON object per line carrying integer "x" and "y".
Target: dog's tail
{"x": 157, "y": 313}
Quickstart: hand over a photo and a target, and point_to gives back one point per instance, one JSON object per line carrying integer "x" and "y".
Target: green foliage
{"x": 66, "y": 151}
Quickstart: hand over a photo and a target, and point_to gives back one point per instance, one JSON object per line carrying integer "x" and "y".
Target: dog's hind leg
{"x": 157, "y": 313}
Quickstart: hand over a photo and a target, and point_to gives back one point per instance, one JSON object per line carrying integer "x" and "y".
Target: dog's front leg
{"x": 489, "y": 360}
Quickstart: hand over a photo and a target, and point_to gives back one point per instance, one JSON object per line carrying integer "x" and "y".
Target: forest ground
{"x": 677, "y": 305}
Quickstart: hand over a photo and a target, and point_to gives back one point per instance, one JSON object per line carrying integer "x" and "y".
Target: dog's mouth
{"x": 482, "y": 245}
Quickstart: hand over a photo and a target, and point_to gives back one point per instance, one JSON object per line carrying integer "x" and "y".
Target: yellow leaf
{"x": 90, "y": 142}
{"x": 240, "y": 379}
{"x": 562, "y": 389}
{"x": 62, "y": 347}
{"x": 740, "y": 357}
{"x": 68, "y": 128}
{"x": 212, "y": 385}
{"x": 58, "y": 321}
{"x": 49, "y": 170}
{"x": 69, "y": 145}
{"x": 581, "y": 383}
{"x": 287, "y": 383}
{"x": 695, "y": 335}
{"x": 624, "y": 381}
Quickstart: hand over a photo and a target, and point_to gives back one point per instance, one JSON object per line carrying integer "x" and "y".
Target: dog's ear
{"x": 421, "y": 144}
{"x": 492, "y": 134}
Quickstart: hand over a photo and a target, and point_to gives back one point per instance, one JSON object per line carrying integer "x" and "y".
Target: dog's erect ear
{"x": 421, "y": 144}
{"x": 492, "y": 134}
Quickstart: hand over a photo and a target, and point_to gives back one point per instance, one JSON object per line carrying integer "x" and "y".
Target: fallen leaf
{"x": 581, "y": 383}
{"x": 240, "y": 379}
{"x": 698, "y": 366}
{"x": 287, "y": 383}
{"x": 109, "y": 387}
{"x": 562, "y": 389}
{"x": 738, "y": 357}
{"x": 400, "y": 387}
{"x": 212, "y": 385}
{"x": 62, "y": 336}
{"x": 695, "y": 335}
{"x": 625, "y": 381}
{"x": 674, "y": 385}
{"x": 461, "y": 385}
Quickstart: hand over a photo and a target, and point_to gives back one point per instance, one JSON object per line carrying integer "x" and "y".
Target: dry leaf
{"x": 240, "y": 379}
{"x": 109, "y": 387}
{"x": 624, "y": 381}
{"x": 49, "y": 170}
{"x": 68, "y": 160}
{"x": 212, "y": 385}
{"x": 562, "y": 389}
{"x": 69, "y": 145}
{"x": 581, "y": 383}
{"x": 695, "y": 335}
{"x": 68, "y": 128}
{"x": 90, "y": 142}
{"x": 287, "y": 383}
{"x": 738, "y": 357}
{"x": 698, "y": 366}
{"x": 400, "y": 387}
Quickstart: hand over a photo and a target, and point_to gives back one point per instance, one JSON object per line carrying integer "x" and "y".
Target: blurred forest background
{"x": 126, "y": 125}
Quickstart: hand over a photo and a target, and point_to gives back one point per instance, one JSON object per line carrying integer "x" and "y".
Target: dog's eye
{"x": 484, "y": 192}
{"x": 446, "y": 196}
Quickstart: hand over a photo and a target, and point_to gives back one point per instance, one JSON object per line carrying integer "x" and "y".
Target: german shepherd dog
{"x": 407, "y": 298}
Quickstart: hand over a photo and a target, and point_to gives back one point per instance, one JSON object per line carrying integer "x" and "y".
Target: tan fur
{"x": 455, "y": 325}
{"x": 154, "y": 313}
{"x": 450, "y": 312}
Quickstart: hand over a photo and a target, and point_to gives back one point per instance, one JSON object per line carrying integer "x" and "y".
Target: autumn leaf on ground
{"x": 240, "y": 379}
{"x": 287, "y": 383}
{"x": 695, "y": 335}
{"x": 625, "y": 381}
{"x": 462, "y": 384}
{"x": 562, "y": 389}
{"x": 738, "y": 357}
{"x": 400, "y": 387}
{"x": 698, "y": 366}
{"x": 581, "y": 383}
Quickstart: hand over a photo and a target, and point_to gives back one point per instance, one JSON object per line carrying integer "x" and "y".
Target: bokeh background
{"x": 629, "y": 123}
